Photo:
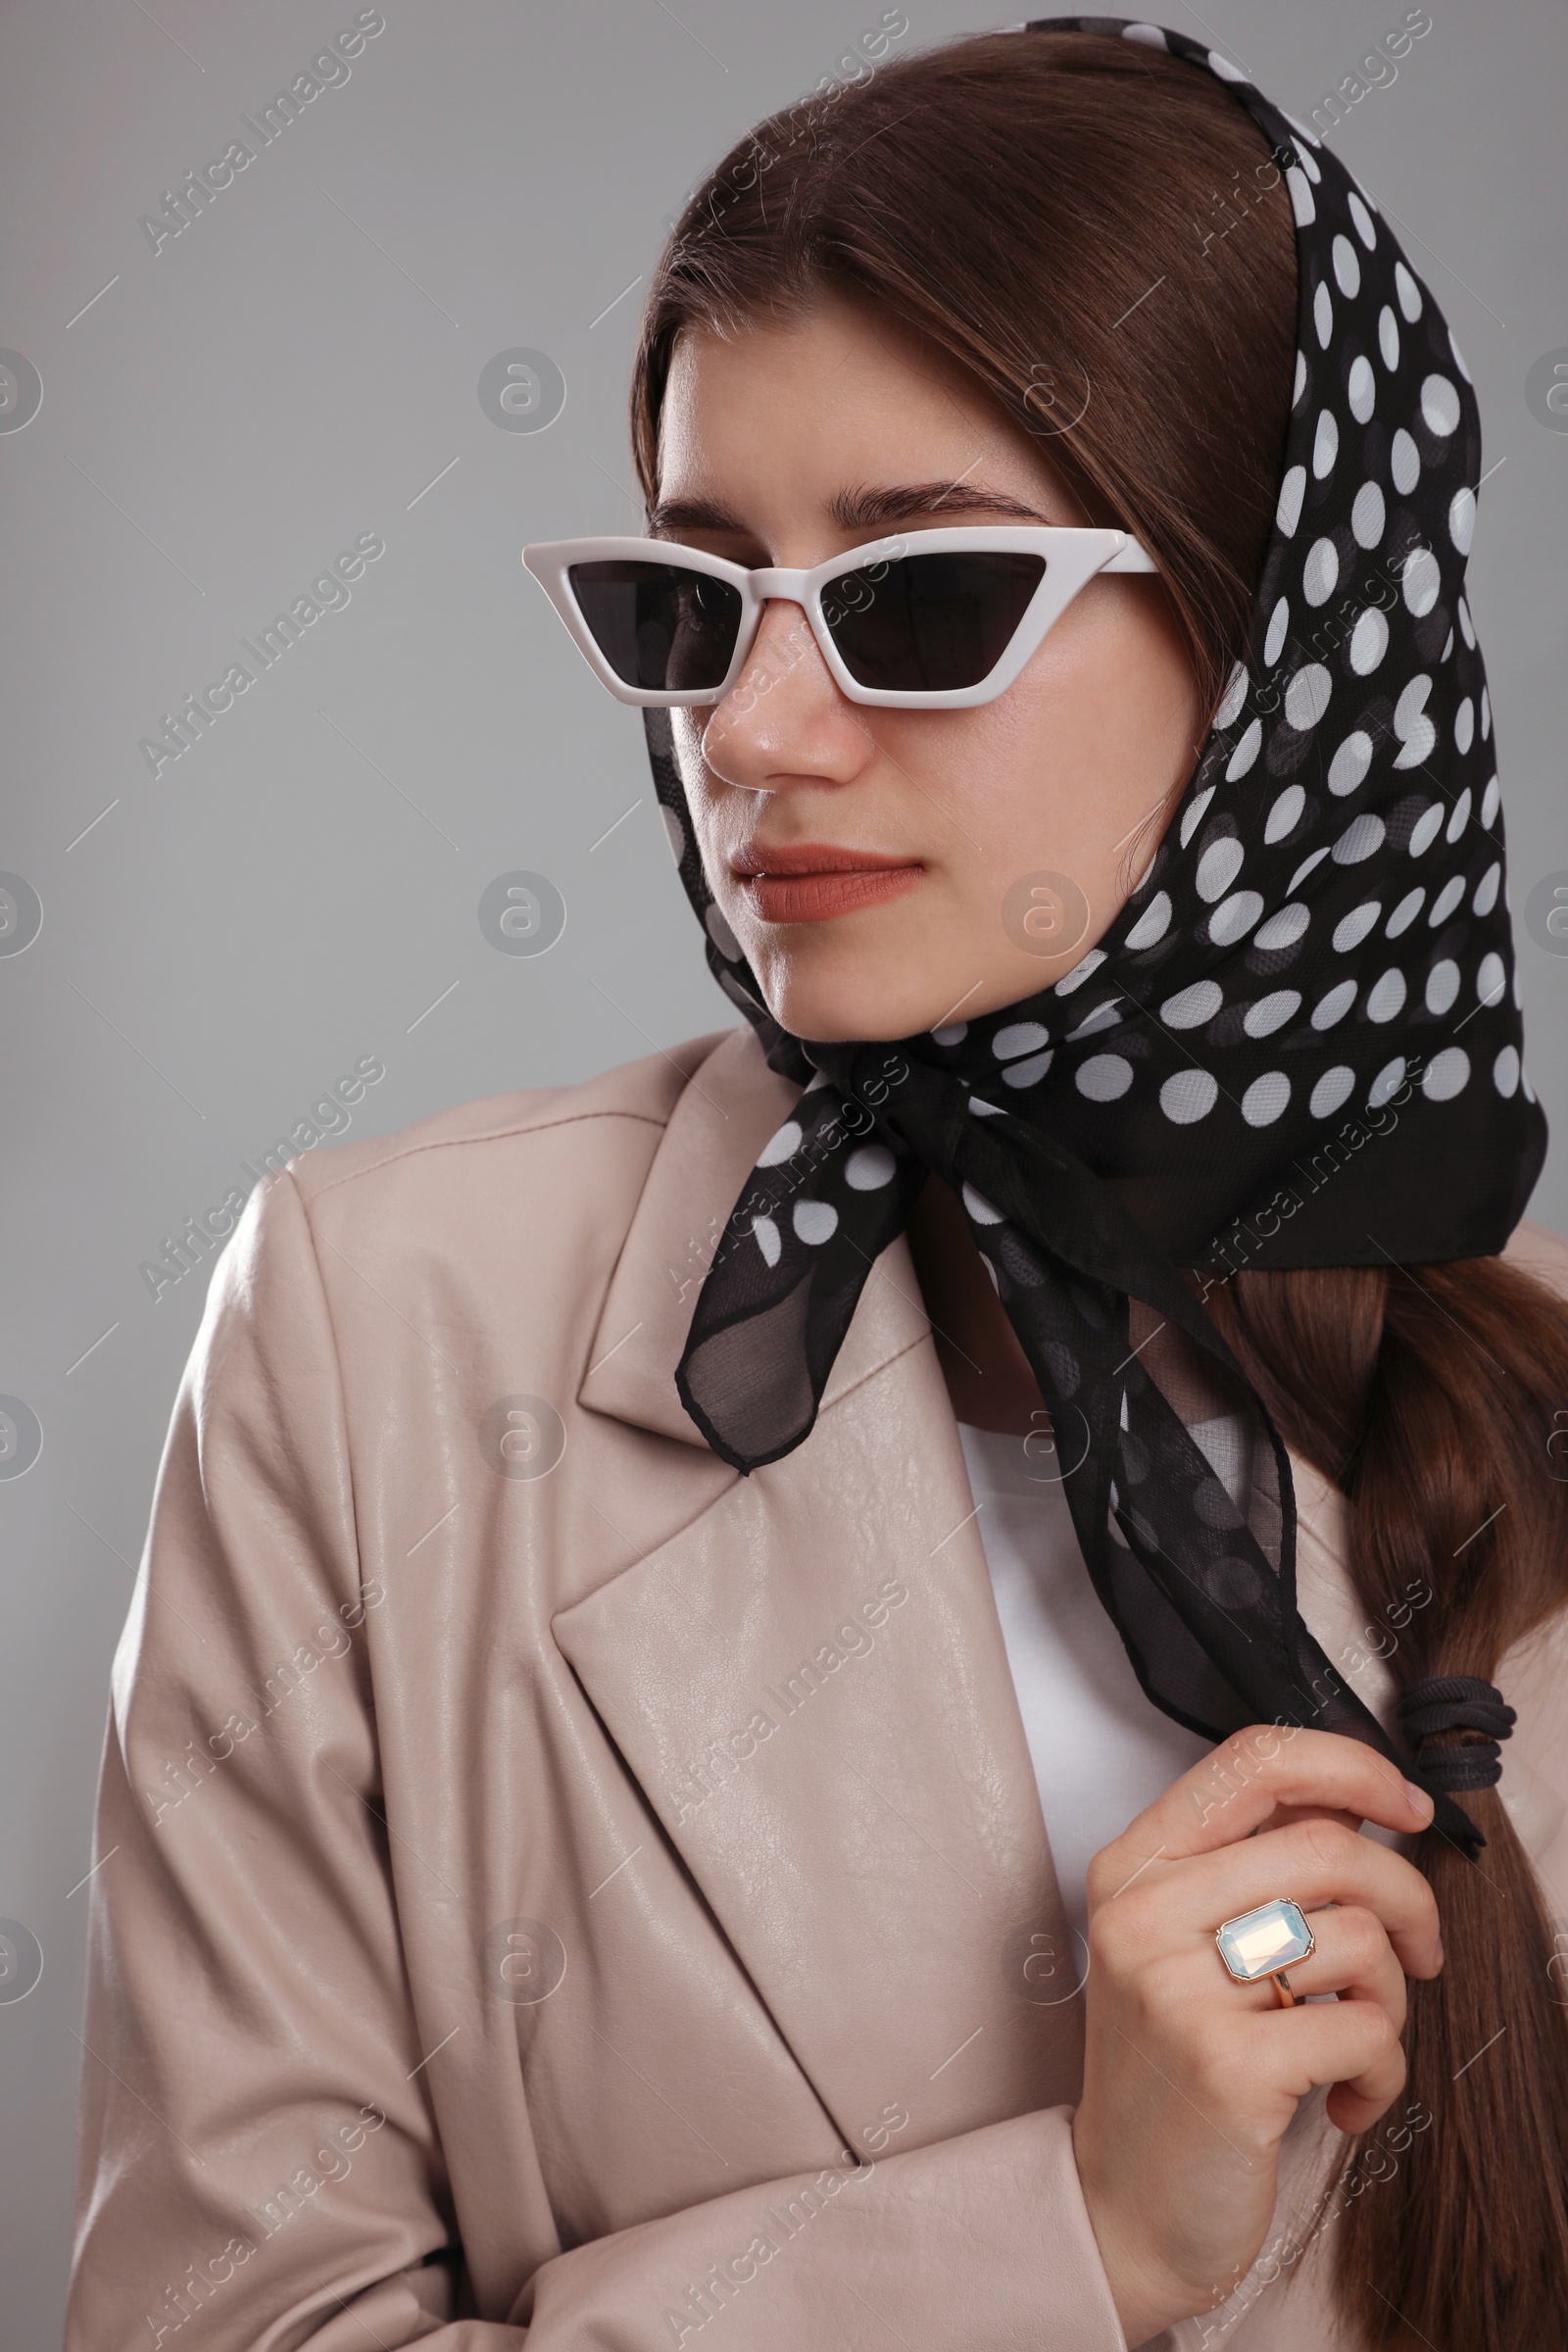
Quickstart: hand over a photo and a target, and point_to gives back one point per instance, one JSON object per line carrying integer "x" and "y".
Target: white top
{"x": 1101, "y": 1751}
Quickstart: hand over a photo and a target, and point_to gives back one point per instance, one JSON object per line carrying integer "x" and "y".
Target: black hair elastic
{"x": 1456, "y": 1702}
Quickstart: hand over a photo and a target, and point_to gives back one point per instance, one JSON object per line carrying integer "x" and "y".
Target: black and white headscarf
{"x": 1298, "y": 1044}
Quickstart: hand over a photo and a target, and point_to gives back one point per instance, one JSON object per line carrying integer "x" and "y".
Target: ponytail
{"x": 1431, "y": 1396}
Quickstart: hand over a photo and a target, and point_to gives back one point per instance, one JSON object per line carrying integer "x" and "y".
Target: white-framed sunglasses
{"x": 927, "y": 620}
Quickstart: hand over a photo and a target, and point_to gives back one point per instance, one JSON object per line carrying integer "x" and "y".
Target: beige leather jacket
{"x": 586, "y": 1897}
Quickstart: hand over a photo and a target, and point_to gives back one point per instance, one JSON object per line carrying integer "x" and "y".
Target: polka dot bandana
{"x": 1298, "y": 1044}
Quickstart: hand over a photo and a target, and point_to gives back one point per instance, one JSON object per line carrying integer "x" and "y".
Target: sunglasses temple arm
{"x": 1131, "y": 558}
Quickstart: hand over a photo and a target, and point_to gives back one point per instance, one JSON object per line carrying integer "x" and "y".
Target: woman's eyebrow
{"x": 905, "y": 501}
{"x": 863, "y": 509}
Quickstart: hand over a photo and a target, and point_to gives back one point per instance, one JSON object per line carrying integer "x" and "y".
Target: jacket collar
{"x": 809, "y": 1684}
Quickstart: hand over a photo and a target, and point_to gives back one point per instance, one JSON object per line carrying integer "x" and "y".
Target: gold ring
{"x": 1264, "y": 1942}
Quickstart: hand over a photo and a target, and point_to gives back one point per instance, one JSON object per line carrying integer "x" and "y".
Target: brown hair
{"x": 1099, "y": 235}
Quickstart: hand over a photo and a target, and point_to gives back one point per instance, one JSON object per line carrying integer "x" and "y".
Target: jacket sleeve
{"x": 260, "y": 2167}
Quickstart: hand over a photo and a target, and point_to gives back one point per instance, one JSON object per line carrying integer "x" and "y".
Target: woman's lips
{"x": 811, "y": 883}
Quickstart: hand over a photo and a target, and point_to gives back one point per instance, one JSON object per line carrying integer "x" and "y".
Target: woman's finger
{"x": 1312, "y": 1863}
{"x": 1351, "y": 1956}
{"x": 1238, "y": 1788}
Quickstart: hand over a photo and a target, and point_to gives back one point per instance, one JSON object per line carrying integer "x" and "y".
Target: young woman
{"x": 1024, "y": 1862}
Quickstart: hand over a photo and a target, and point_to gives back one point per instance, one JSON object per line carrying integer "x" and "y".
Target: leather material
{"x": 631, "y": 1875}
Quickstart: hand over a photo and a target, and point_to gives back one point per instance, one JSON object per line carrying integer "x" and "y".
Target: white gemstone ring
{"x": 1265, "y": 1942}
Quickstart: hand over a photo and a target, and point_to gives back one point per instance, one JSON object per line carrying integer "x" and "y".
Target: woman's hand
{"x": 1190, "y": 2078}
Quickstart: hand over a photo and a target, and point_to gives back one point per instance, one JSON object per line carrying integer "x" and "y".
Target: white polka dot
{"x": 1362, "y": 388}
{"x": 1284, "y": 929}
{"x": 1485, "y": 714}
{"x": 1304, "y": 869}
{"x": 766, "y": 1234}
{"x": 1492, "y": 980}
{"x": 1458, "y": 356}
{"x": 1283, "y": 816}
{"x": 722, "y": 937}
{"x": 869, "y": 1170}
{"x": 1153, "y": 923}
{"x": 1505, "y": 1070}
{"x": 1416, "y": 733}
{"x": 1030, "y": 1072}
{"x": 1334, "y": 1005}
{"x": 1462, "y": 518}
{"x": 1386, "y": 997}
{"x": 1288, "y": 513}
{"x": 1439, "y": 405}
{"x": 1191, "y": 1006}
{"x": 780, "y": 1144}
{"x": 1103, "y": 1077}
{"x": 1353, "y": 928}
{"x": 1447, "y": 899}
{"x": 1387, "y": 1082}
{"x": 1235, "y": 916}
{"x": 1486, "y": 896}
{"x": 979, "y": 1207}
{"x": 952, "y": 1033}
{"x": 1427, "y": 828}
{"x": 1278, "y": 622}
{"x": 1464, "y": 724}
{"x": 1020, "y": 1037}
{"x": 1271, "y": 1012}
{"x": 1331, "y": 1091}
{"x": 1195, "y": 815}
{"x": 1443, "y": 1076}
{"x": 1467, "y": 626}
{"x": 1305, "y": 141}
{"x": 1300, "y": 194}
{"x": 1299, "y": 385}
{"x": 1218, "y": 868}
{"x": 1363, "y": 222}
{"x": 1367, "y": 516}
{"x": 982, "y": 1109}
{"x": 1246, "y": 752}
{"x": 1405, "y": 462}
{"x": 1404, "y": 914}
{"x": 1389, "y": 338}
{"x": 1408, "y": 291}
{"x": 1236, "y": 685}
{"x": 1265, "y": 1099}
{"x": 1104, "y": 1017}
{"x": 1369, "y": 642}
{"x": 673, "y": 833}
{"x": 1221, "y": 65}
{"x": 1421, "y": 582}
{"x": 1361, "y": 838}
{"x": 816, "y": 1221}
{"x": 1461, "y": 817}
{"x": 1323, "y": 316}
{"x": 1320, "y": 572}
{"x": 1490, "y": 799}
{"x": 1349, "y": 763}
{"x": 1346, "y": 268}
{"x": 1079, "y": 973}
{"x": 1150, "y": 35}
{"x": 1442, "y": 985}
{"x": 1325, "y": 444}
{"x": 1307, "y": 697}
{"x": 1191, "y": 1095}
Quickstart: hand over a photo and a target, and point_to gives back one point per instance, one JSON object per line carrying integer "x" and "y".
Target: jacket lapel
{"x": 809, "y": 1684}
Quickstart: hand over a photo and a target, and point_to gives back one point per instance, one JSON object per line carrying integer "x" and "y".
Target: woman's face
{"x": 785, "y": 445}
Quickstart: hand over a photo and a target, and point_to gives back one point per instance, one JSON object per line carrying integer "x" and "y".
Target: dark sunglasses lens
{"x": 929, "y": 625}
{"x": 658, "y": 627}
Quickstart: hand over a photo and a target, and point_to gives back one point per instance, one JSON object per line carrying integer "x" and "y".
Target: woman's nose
{"x": 784, "y": 719}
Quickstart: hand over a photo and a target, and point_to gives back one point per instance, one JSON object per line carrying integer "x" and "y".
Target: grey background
{"x": 302, "y": 887}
